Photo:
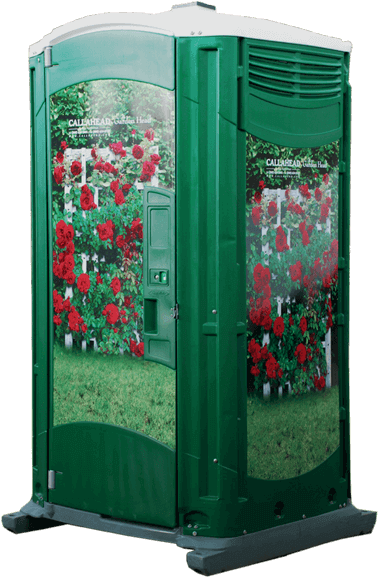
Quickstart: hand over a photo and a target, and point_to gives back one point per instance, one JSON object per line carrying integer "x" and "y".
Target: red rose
{"x": 86, "y": 201}
{"x": 108, "y": 167}
{"x": 67, "y": 304}
{"x": 59, "y": 157}
{"x": 296, "y": 271}
{"x": 256, "y": 214}
{"x": 94, "y": 153}
{"x": 281, "y": 240}
{"x": 139, "y": 351}
{"x": 305, "y": 238}
{"x": 137, "y": 151}
{"x": 126, "y": 188}
{"x": 328, "y": 200}
{"x": 301, "y": 353}
{"x": 326, "y": 179}
{"x": 287, "y": 193}
{"x": 298, "y": 209}
{"x": 327, "y": 281}
{"x": 306, "y": 281}
{"x": 155, "y": 158}
{"x": 144, "y": 177}
{"x": 291, "y": 322}
{"x": 99, "y": 166}
{"x": 114, "y": 185}
{"x": 60, "y": 229}
{"x": 279, "y": 327}
{"x": 135, "y": 314}
{"x": 133, "y": 346}
{"x": 255, "y": 351}
{"x": 69, "y": 232}
{"x": 272, "y": 208}
{"x": 264, "y": 352}
{"x": 271, "y": 367}
{"x": 266, "y": 322}
{"x": 57, "y": 320}
{"x": 316, "y": 175}
{"x": 127, "y": 301}
{"x": 112, "y": 313}
{"x": 57, "y": 302}
{"x": 84, "y": 328}
{"x": 120, "y": 241}
{"x": 255, "y": 371}
{"x": 319, "y": 383}
{"x": 83, "y": 283}
{"x": 70, "y": 277}
{"x": 76, "y": 168}
{"x": 261, "y": 184}
{"x": 324, "y": 210}
{"x": 115, "y": 285}
{"x": 58, "y": 174}
{"x": 116, "y": 147}
{"x": 74, "y": 320}
{"x": 303, "y": 325}
{"x": 69, "y": 262}
{"x": 137, "y": 228}
{"x": 63, "y": 145}
{"x": 149, "y": 134}
{"x": 257, "y": 196}
{"x": 119, "y": 198}
{"x": 61, "y": 242}
{"x": 303, "y": 189}
{"x": 318, "y": 194}
{"x": 98, "y": 278}
{"x": 148, "y": 168}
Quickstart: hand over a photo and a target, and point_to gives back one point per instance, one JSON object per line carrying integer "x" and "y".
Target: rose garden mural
{"x": 292, "y": 289}
{"x": 109, "y": 139}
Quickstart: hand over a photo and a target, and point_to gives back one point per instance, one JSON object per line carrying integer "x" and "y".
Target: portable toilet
{"x": 190, "y": 261}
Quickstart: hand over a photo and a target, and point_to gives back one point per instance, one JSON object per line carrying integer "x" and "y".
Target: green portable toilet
{"x": 190, "y": 261}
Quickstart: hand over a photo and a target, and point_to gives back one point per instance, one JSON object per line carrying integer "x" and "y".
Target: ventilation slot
{"x": 294, "y": 74}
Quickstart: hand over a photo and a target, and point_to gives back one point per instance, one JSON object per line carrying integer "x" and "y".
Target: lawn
{"x": 120, "y": 390}
{"x": 291, "y": 435}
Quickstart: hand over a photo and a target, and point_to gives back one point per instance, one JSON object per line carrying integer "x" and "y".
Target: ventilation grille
{"x": 295, "y": 74}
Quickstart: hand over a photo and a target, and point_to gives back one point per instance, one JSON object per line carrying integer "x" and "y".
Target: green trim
{"x": 210, "y": 401}
{"x": 131, "y": 55}
{"x": 39, "y": 278}
{"x": 344, "y": 251}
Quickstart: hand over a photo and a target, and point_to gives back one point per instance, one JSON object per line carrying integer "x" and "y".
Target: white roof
{"x": 190, "y": 20}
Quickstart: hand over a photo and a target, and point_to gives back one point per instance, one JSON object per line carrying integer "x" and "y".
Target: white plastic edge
{"x": 190, "y": 21}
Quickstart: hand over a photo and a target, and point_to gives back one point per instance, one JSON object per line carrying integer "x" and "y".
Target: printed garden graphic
{"x": 292, "y": 289}
{"x": 109, "y": 139}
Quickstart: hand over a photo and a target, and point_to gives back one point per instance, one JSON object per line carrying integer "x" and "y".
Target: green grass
{"x": 120, "y": 390}
{"x": 292, "y": 435}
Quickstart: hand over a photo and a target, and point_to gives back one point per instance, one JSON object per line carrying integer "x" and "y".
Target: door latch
{"x": 175, "y": 312}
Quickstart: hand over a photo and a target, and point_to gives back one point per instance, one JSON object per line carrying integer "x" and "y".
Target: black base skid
{"x": 210, "y": 555}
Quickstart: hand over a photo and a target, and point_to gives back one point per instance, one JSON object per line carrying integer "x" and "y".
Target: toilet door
{"x": 112, "y": 435}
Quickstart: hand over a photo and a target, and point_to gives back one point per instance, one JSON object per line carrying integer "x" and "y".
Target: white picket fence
{"x": 83, "y": 155}
{"x": 278, "y": 196}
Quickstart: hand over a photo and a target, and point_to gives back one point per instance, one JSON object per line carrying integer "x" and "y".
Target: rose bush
{"x": 303, "y": 276}
{"x": 107, "y": 299}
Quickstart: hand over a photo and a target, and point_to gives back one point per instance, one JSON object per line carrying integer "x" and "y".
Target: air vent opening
{"x": 295, "y": 73}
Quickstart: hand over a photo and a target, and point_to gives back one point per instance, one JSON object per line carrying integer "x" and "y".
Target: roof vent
{"x": 200, "y": 4}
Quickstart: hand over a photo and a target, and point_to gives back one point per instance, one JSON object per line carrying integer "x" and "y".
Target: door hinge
{"x": 48, "y": 56}
{"x": 175, "y": 311}
{"x": 51, "y": 475}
